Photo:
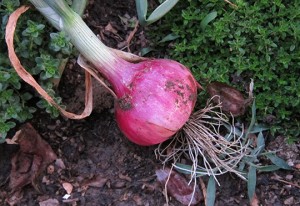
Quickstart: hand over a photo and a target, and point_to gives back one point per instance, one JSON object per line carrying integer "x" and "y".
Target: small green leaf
{"x": 278, "y": 161}
{"x": 141, "y": 8}
{"x": 268, "y": 58}
{"x": 169, "y": 37}
{"x": 146, "y": 50}
{"x": 209, "y": 17}
{"x": 2, "y": 137}
{"x": 258, "y": 128}
{"x": 260, "y": 141}
{"x": 251, "y": 185}
{"x": 182, "y": 168}
{"x": 211, "y": 192}
{"x": 267, "y": 168}
{"x": 26, "y": 96}
{"x": 253, "y": 118}
{"x": 292, "y": 47}
{"x": 161, "y": 10}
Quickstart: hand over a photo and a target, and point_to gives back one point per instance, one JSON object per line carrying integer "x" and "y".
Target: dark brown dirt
{"x": 93, "y": 150}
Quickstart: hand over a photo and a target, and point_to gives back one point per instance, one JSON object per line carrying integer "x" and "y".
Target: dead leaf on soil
{"x": 289, "y": 201}
{"x": 97, "y": 181}
{"x": 178, "y": 187}
{"x": 14, "y": 198}
{"x": 32, "y": 158}
{"x": 232, "y": 100}
{"x": 111, "y": 29}
{"x": 204, "y": 190}
{"x": 254, "y": 201}
{"x": 68, "y": 187}
{"x": 14, "y": 139}
{"x": 60, "y": 164}
{"x": 49, "y": 202}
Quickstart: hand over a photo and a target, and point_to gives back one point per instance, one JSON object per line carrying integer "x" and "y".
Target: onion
{"x": 154, "y": 97}
{"x": 155, "y": 102}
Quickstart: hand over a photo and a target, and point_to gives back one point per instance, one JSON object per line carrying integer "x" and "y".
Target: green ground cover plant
{"x": 41, "y": 54}
{"x": 256, "y": 40}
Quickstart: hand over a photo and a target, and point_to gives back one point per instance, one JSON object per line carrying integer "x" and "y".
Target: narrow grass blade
{"x": 141, "y": 8}
{"x": 169, "y": 37}
{"x": 267, "y": 168}
{"x": 258, "y": 128}
{"x": 278, "y": 161}
{"x": 211, "y": 192}
{"x": 161, "y": 10}
{"x": 251, "y": 182}
{"x": 182, "y": 168}
{"x": 209, "y": 17}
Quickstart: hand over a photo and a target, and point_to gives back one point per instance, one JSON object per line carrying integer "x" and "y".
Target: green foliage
{"x": 43, "y": 104}
{"x": 257, "y": 39}
{"x": 211, "y": 192}
{"x": 41, "y": 54}
{"x": 46, "y": 66}
{"x": 60, "y": 42}
{"x": 142, "y": 8}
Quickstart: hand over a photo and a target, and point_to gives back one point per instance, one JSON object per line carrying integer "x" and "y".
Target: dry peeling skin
{"x": 158, "y": 103}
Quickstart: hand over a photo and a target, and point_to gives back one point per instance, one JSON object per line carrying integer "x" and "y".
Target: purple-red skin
{"x": 155, "y": 99}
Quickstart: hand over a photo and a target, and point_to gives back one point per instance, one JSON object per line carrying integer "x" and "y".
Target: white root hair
{"x": 206, "y": 142}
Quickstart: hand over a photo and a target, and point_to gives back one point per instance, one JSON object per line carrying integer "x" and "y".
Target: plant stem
{"x": 47, "y": 12}
{"x": 86, "y": 41}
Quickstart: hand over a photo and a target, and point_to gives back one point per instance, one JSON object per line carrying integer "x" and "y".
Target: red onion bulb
{"x": 155, "y": 102}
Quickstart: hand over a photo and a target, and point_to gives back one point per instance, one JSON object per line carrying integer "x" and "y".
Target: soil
{"x": 101, "y": 164}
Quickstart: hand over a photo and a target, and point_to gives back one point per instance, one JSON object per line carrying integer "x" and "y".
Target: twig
{"x": 286, "y": 182}
{"x": 232, "y": 4}
{"x": 132, "y": 34}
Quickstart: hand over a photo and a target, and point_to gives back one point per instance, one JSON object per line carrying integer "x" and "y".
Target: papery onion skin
{"x": 156, "y": 102}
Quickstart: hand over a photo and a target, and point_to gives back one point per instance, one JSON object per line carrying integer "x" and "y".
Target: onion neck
{"x": 89, "y": 45}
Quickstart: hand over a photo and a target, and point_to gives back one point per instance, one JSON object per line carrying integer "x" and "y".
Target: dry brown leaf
{"x": 60, "y": 164}
{"x": 232, "y": 100}
{"x": 32, "y": 158}
{"x": 14, "y": 198}
{"x": 110, "y": 28}
{"x": 68, "y": 187}
{"x": 97, "y": 181}
{"x": 14, "y": 139}
{"x": 203, "y": 188}
{"x": 27, "y": 77}
{"x": 49, "y": 202}
{"x": 254, "y": 201}
{"x": 178, "y": 187}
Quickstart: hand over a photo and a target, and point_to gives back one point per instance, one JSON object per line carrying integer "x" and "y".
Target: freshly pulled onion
{"x": 154, "y": 97}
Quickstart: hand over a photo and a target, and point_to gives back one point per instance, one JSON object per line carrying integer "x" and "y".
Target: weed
{"x": 255, "y": 39}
